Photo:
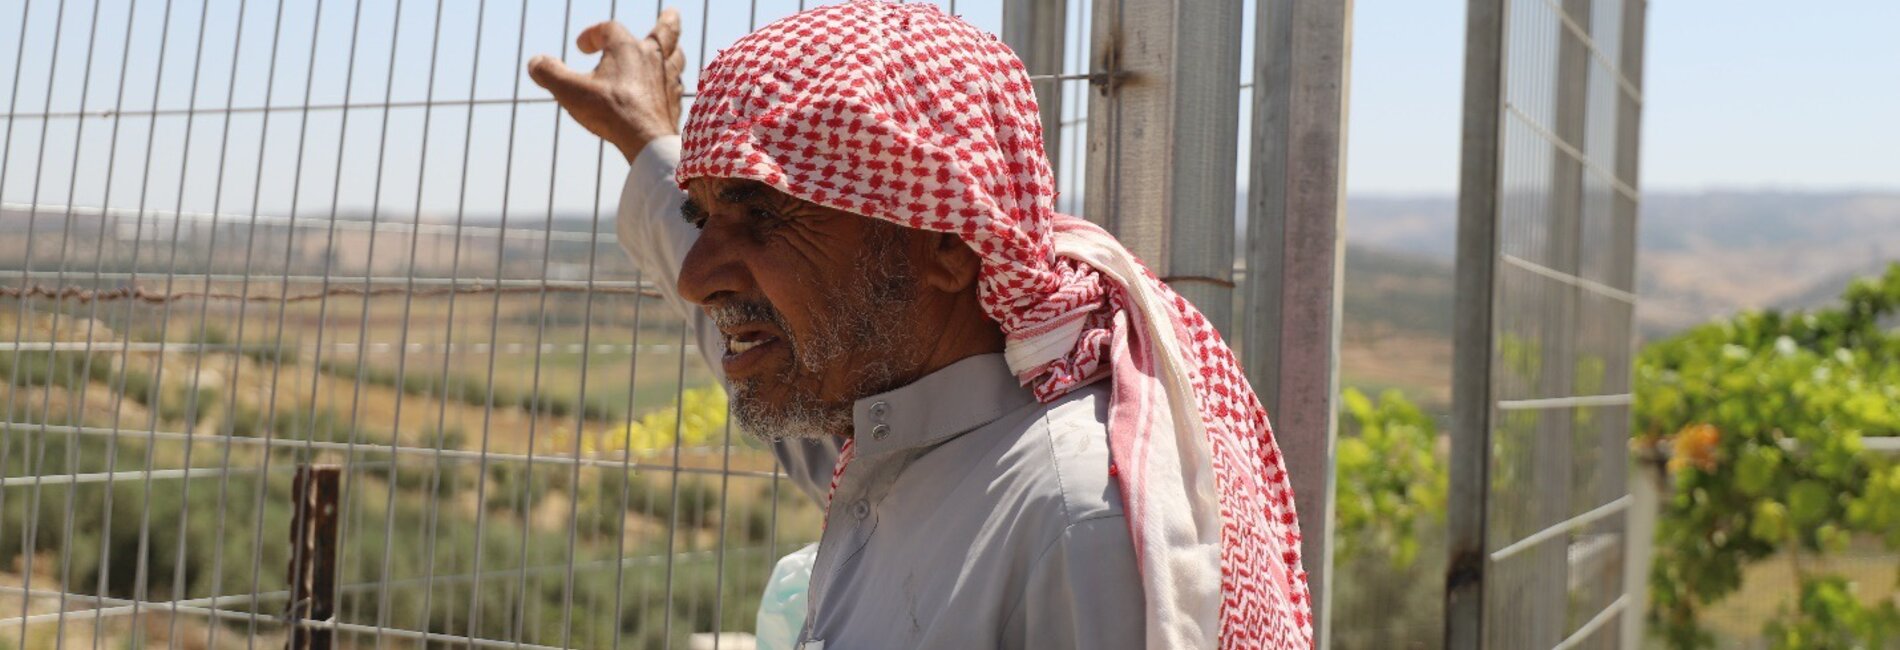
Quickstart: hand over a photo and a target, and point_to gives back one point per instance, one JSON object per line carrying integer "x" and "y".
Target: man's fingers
{"x": 676, "y": 64}
{"x": 666, "y": 32}
{"x": 602, "y": 36}
{"x": 552, "y": 74}
{"x": 588, "y": 41}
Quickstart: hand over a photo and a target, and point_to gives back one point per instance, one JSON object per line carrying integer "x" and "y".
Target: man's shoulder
{"x": 1053, "y": 458}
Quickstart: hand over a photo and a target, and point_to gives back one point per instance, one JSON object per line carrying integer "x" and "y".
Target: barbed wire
{"x": 141, "y": 294}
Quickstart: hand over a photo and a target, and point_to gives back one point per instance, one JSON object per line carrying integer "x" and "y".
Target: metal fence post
{"x": 313, "y": 535}
{"x": 1295, "y": 253}
{"x": 1649, "y": 487}
{"x": 1163, "y": 130}
{"x": 1649, "y": 483}
{"x": 1474, "y": 325}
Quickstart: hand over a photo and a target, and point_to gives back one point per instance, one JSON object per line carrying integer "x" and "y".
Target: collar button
{"x": 879, "y": 410}
{"x": 878, "y": 432}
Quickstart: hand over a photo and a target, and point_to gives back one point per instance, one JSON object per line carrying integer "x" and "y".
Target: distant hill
{"x": 1396, "y": 324}
{"x": 1398, "y": 291}
{"x": 1701, "y": 255}
{"x": 1705, "y": 256}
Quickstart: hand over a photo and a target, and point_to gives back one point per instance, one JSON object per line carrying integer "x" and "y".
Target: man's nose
{"x": 713, "y": 269}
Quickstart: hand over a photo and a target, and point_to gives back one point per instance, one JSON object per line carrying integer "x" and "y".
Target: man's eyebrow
{"x": 744, "y": 192}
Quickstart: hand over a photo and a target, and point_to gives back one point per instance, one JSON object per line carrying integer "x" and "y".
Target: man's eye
{"x": 762, "y": 217}
{"x": 693, "y": 216}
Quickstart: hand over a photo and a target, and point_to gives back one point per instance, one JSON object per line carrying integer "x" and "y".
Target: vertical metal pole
{"x": 1647, "y": 482}
{"x": 313, "y": 555}
{"x": 1649, "y": 489}
{"x": 1474, "y": 324}
{"x": 1035, "y": 30}
{"x": 1163, "y": 130}
{"x": 1295, "y": 253}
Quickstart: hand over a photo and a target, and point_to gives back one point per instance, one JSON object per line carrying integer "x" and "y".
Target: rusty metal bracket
{"x": 313, "y": 540}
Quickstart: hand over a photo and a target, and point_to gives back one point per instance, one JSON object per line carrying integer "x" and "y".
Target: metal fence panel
{"x": 1544, "y": 339}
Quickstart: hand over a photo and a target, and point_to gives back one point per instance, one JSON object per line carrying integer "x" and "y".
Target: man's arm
{"x": 1083, "y": 592}
{"x": 632, "y": 100}
{"x": 650, "y": 229}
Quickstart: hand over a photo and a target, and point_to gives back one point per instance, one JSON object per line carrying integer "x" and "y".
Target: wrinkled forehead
{"x": 707, "y": 191}
{"x": 709, "y": 194}
{"x": 743, "y": 198}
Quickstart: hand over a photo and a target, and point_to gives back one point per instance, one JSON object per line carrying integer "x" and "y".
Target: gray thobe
{"x": 972, "y": 517}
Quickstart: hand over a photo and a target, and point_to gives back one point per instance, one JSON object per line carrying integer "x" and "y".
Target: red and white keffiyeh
{"x": 903, "y": 113}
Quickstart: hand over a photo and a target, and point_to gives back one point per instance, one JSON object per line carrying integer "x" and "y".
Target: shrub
{"x": 1763, "y": 415}
{"x": 1389, "y": 525}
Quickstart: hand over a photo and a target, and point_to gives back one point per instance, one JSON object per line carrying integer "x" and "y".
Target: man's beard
{"x": 869, "y": 317}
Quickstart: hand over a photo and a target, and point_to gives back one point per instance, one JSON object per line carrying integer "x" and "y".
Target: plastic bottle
{"x": 782, "y": 608}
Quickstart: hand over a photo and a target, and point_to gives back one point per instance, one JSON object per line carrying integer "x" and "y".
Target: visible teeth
{"x": 737, "y": 347}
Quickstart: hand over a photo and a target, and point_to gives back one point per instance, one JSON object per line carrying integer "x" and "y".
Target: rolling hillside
{"x": 1701, "y": 256}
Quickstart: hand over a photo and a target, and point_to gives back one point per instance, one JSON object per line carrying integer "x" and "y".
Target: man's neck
{"x": 963, "y": 331}
{"x": 944, "y": 336}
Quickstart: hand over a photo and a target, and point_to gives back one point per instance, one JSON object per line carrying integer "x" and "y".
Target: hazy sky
{"x": 1787, "y": 94}
{"x": 1740, "y": 94}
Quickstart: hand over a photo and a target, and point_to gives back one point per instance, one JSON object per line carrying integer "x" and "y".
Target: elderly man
{"x": 1021, "y": 438}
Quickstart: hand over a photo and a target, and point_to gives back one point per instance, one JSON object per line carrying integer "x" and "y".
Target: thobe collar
{"x": 940, "y": 406}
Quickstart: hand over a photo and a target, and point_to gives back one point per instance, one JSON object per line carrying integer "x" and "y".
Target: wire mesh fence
{"x": 1540, "y": 513}
{"x": 245, "y": 237}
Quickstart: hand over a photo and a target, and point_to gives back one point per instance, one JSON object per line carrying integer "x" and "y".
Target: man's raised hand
{"x": 633, "y": 95}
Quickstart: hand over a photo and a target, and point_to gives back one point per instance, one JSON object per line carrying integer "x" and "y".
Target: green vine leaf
{"x": 1765, "y": 415}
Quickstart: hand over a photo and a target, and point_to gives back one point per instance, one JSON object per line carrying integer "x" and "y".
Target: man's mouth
{"x": 740, "y": 347}
{"x": 745, "y": 349}
{"x": 743, "y": 342}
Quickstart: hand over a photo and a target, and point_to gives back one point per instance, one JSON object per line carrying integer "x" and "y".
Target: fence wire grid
{"x": 1541, "y": 509}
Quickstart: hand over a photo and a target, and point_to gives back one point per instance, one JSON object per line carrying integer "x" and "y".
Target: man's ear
{"x": 953, "y": 266}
